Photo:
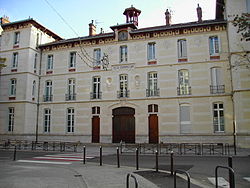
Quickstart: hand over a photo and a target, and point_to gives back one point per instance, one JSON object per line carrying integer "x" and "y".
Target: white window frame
{"x": 151, "y": 51}
{"x": 48, "y": 88}
{"x": 11, "y": 115}
{"x": 218, "y": 120}
{"x": 70, "y": 120}
{"x": 216, "y": 76}
{"x": 248, "y": 6}
{"x": 13, "y": 83}
{"x": 123, "y": 54}
{"x": 152, "y": 83}
{"x": 50, "y": 60}
{"x": 214, "y": 45}
{"x": 183, "y": 78}
{"x": 123, "y": 83}
{"x": 47, "y": 120}
{"x": 182, "y": 48}
{"x": 186, "y": 122}
{"x": 96, "y": 86}
{"x": 16, "y": 38}
{"x": 15, "y": 60}
{"x": 72, "y": 59}
{"x": 97, "y": 57}
{"x": 71, "y": 86}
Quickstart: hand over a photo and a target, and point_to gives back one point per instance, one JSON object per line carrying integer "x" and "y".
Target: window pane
{"x": 150, "y": 108}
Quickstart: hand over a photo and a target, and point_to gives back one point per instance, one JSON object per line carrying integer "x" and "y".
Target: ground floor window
{"x": 70, "y": 120}
{"x": 47, "y": 120}
{"x": 218, "y": 117}
{"x": 11, "y": 119}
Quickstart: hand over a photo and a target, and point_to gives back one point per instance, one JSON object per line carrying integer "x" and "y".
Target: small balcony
{"x": 47, "y": 98}
{"x": 217, "y": 89}
{"x": 123, "y": 94}
{"x": 70, "y": 97}
{"x": 152, "y": 92}
{"x": 184, "y": 90}
{"x": 94, "y": 95}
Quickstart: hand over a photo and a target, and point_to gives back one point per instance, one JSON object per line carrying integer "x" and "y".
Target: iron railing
{"x": 184, "y": 90}
{"x": 47, "y": 98}
{"x": 123, "y": 94}
{"x": 152, "y": 92}
{"x": 217, "y": 89}
{"x": 95, "y": 95}
{"x": 70, "y": 97}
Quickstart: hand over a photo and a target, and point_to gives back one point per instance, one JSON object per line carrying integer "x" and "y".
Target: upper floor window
{"x": 217, "y": 84}
{"x": 182, "y": 49}
{"x": 123, "y": 92}
{"x": 34, "y": 88}
{"x": 184, "y": 87}
{"x": 96, "y": 110}
{"x": 152, "y": 108}
{"x": 152, "y": 85}
{"x": 248, "y": 6}
{"x": 97, "y": 57}
{"x": 123, "y": 54}
{"x": 50, "y": 62}
{"x": 15, "y": 60}
{"x": 214, "y": 47}
{"x": 35, "y": 62}
{"x": 123, "y": 35}
{"x": 70, "y": 120}
{"x": 48, "y": 91}
{"x": 72, "y": 60}
{"x": 16, "y": 38}
{"x": 96, "y": 88}
{"x": 71, "y": 95}
{"x": 11, "y": 119}
{"x": 13, "y": 87}
{"x": 47, "y": 120}
{"x": 37, "y": 39}
{"x": 151, "y": 51}
{"x": 218, "y": 117}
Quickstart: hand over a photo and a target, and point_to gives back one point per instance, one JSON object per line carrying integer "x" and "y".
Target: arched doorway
{"x": 123, "y": 125}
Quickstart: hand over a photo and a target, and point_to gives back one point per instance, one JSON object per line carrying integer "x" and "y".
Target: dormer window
{"x": 123, "y": 35}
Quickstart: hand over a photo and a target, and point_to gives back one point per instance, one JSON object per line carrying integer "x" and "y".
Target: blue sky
{"x": 106, "y": 13}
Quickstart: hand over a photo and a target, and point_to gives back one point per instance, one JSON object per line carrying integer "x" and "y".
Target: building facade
{"x": 170, "y": 83}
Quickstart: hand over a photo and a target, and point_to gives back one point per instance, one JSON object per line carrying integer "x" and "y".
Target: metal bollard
{"x": 14, "y": 158}
{"x": 156, "y": 161}
{"x": 100, "y": 155}
{"x": 172, "y": 163}
{"x": 84, "y": 155}
{"x": 230, "y": 164}
{"x": 137, "y": 159}
{"x": 118, "y": 157}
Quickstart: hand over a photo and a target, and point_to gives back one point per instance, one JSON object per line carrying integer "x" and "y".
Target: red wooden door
{"x": 153, "y": 129}
{"x": 95, "y": 129}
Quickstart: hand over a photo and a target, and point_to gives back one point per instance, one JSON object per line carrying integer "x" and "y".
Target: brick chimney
{"x": 92, "y": 28}
{"x": 4, "y": 20}
{"x": 168, "y": 17}
{"x": 199, "y": 13}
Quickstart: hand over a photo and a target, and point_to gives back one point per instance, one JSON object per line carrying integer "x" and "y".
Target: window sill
{"x": 214, "y": 57}
{"x": 49, "y": 72}
{"x": 12, "y": 98}
{"x": 13, "y": 70}
{"x": 152, "y": 62}
{"x": 182, "y": 60}
{"x": 72, "y": 69}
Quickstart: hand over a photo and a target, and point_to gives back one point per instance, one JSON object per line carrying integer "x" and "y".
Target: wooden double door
{"x": 153, "y": 130}
{"x": 123, "y": 125}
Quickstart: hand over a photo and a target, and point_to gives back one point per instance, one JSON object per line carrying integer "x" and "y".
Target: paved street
{"x": 55, "y": 169}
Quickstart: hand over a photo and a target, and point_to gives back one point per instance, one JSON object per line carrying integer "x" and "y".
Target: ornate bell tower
{"x": 132, "y": 15}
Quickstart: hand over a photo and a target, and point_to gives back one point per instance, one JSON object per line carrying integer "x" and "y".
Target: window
{"x": 152, "y": 108}
{"x": 16, "y": 38}
{"x": 72, "y": 60}
{"x": 218, "y": 117}
{"x": 97, "y": 57}
{"x": 248, "y": 6}
{"x": 11, "y": 119}
{"x": 123, "y": 86}
{"x": 15, "y": 60}
{"x": 70, "y": 120}
{"x": 123, "y": 54}
{"x": 182, "y": 49}
{"x": 47, "y": 120}
{"x": 184, "y": 88}
{"x": 50, "y": 62}
{"x": 48, "y": 91}
{"x": 217, "y": 81}
{"x": 214, "y": 45}
{"x": 95, "y": 110}
{"x": 152, "y": 85}
{"x": 185, "y": 123}
{"x": 37, "y": 39}
{"x": 35, "y": 62}
{"x": 13, "y": 87}
{"x": 96, "y": 90}
{"x": 71, "y": 90}
{"x": 34, "y": 88}
{"x": 151, "y": 51}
